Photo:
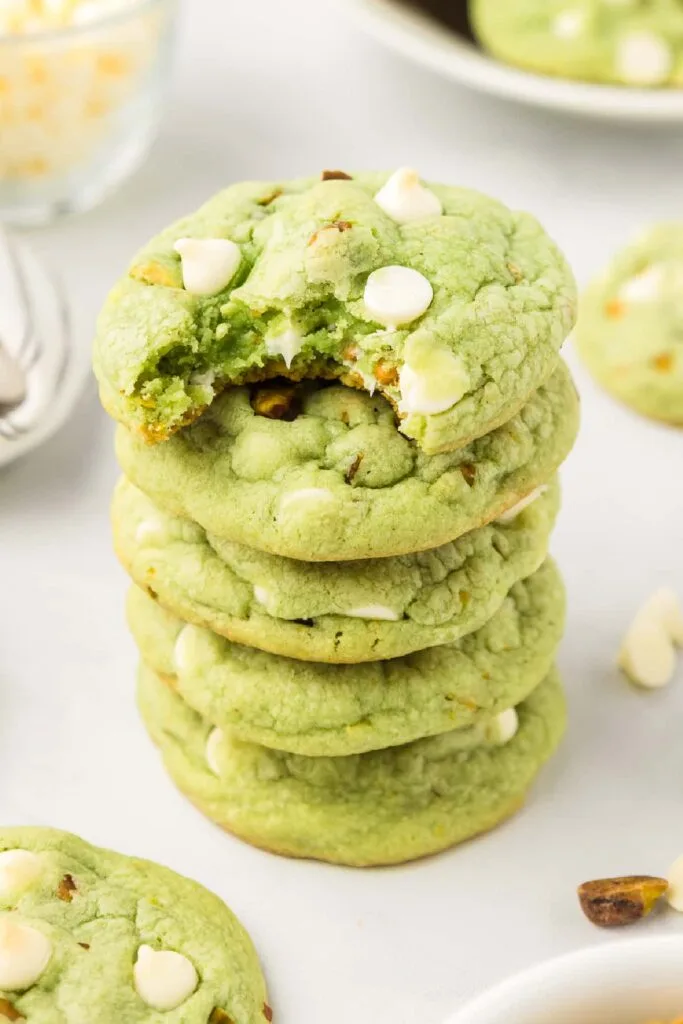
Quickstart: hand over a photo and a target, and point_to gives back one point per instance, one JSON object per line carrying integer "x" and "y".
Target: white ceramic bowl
{"x": 633, "y": 981}
{"x": 425, "y": 41}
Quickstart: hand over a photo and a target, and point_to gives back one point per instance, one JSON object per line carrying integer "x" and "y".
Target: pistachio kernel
{"x": 219, "y": 1016}
{"x": 66, "y": 887}
{"x": 354, "y": 467}
{"x": 613, "y": 902}
{"x": 335, "y": 176}
{"x": 469, "y": 472}
{"x": 10, "y": 1012}
{"x": 154, "y": 272}
{"x": 267, "y": 1012}
{"x": 270, "y": 198}
{"x": 275, "y": 403}
{"x": 385, "y": 373}
{"x": 515, "y": 272}
{"x": 663, "y": 362}
{"x": 338, "y": 225}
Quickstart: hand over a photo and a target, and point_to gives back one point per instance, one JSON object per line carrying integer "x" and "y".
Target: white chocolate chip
{"x": 182, "y": 651}
{"x": 666, "y": 605}
{"x": 643, "y": 58}
{"x": 569, "y": 24}
{"x": 150, "y": 529}
{"x": 437, "y": 384}
{"x": 19, "y": 869}
{"x": 647, "y": 653}
{"x": 529, "y": 499}
{"x": 397, "y": 295}
{"x": 288, "y": 345}
{"x": 503, "y": 727}
{"x": 164, "y": 979}
{"x": 404, "y": 198}
{"x": 24, "y": 954}
{"x": 373, "y": 611}
{"x": 213, "y": 745}
{"x": 209, "y": 264}
{"x": 304, "y": 496}
{"x": 203, "y": 380}
{"x": 262, "y": 596}
{"x": 644, "y": 287}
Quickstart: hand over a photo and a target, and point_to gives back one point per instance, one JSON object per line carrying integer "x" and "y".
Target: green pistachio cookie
{"x": 440, "y": 298}
{"x": 88, "y": 936}
{"x": 630, "y": 331}
{"x": 335, "y": 480}
{"x": 319, "y": 709}
{"x": 329, "y": 611}
{"x": 382, "y": 807}
{"x": 628, "y": 42}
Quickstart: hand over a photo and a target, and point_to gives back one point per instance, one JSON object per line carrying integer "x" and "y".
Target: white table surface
{"x": 266, "y": 89}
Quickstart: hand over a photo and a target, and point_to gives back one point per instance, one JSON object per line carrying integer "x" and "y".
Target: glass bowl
{"x": 80, "y": 106}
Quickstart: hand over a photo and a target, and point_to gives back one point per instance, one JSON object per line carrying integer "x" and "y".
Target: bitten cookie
{"x": 383, "y": 807}
{"x": 630, "y": 331}
{"x": 625, "y": 42}
{"x": 332, "y": 479}
{"x": 440, "y": 298}
{"x": 87, "y": 935}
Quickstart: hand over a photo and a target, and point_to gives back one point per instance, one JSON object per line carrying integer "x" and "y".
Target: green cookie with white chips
{"x": 320, "y": 709}
{"x": 627, "y": 42}
{"x": 87, "y": 935}
{"x": 329, "y": 611}
{"x": 442, "y": 299}
{"x": 383, "y": 807}
{"x": 332, "y": 479}
{"x": 630, "y": 331}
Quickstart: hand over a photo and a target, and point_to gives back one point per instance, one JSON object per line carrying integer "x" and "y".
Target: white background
{"x": 273, "y": 89}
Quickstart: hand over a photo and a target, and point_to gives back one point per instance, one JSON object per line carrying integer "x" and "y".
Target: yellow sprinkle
{"x": 34, "y": 112}
{"x": 112, "y": 63}
{"x": 34, "y": 168}
{"x": 96, "y": 107}
{"x": 36, "y": 70}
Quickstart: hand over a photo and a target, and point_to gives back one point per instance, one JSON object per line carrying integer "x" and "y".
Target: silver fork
{"x": 12, "y": 384}
{"x": 29, "y": 350}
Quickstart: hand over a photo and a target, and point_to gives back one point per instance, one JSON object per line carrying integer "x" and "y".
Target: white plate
{"x": 630, "y": 982}
{"x": 425, "y": 41}
{"x": 56, "y": 379}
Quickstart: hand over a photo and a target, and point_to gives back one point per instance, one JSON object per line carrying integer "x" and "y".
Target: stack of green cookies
{"x": 342, "y": 414}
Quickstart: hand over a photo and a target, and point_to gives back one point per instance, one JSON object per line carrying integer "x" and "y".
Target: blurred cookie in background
{"x": 630, "y": 330}
{"x": 637, "y": 43}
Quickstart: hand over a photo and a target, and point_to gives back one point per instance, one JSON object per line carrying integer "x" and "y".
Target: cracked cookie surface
{"x": 338, "y": 482}
{"x": 297, "y": 304}
{"x": 383, "y": 807}
{"x": 320, "y": 709}
{"x": 93, "y": 925}
{"x": 328, "y": 611}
